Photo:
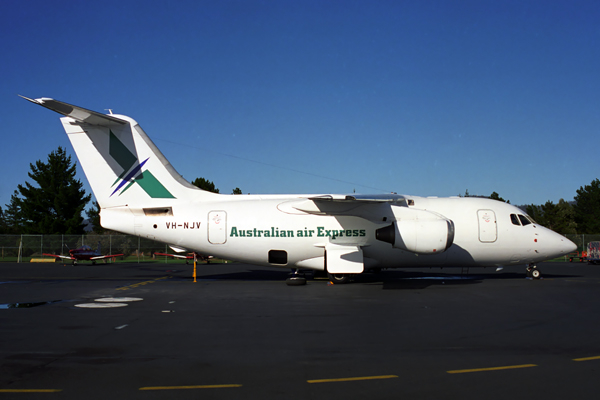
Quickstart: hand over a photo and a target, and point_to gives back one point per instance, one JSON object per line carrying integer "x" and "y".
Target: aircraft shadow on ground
{"x": 397, "y": 279}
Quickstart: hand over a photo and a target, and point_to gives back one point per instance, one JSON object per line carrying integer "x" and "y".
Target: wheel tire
{"x": 295, "y": 281}
{"x": 339, "y": 278}
{"x": 536, "y": 274}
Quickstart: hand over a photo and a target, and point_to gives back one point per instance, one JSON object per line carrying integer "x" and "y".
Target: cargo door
{"x": 488, "y": 231}
{"x": 217, "y": 227}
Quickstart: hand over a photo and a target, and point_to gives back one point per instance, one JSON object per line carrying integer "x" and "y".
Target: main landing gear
{"x": 295, "y": 279}
{"x": 533, "y": 272}
{"x": 339, "y": 278}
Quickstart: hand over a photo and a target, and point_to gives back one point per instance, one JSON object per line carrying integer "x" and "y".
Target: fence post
{"x": 20, "y": 249}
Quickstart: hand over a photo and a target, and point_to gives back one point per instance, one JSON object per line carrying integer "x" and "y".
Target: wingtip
{"x": 39, "y": 101}
{"x": 27, "y": 98}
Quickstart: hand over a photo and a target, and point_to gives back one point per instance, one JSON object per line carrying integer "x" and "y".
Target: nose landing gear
{"x": 533, "y": 271}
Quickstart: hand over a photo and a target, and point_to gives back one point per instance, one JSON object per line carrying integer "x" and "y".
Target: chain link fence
{"x": 24, "y": 247}
{"x": 582, "y": 240}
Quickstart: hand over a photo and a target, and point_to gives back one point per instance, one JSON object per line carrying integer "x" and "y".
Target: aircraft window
{"x": 514, "y": 219}
{"x": 524, "y": 220}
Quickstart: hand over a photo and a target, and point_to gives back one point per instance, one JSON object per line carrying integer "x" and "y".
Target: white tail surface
{"x": 122, "y": 165}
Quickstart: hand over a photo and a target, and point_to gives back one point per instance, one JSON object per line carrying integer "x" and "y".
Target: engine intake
{"x": 419, "y": 231}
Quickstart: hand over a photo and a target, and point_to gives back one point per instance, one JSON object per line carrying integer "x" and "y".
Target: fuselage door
{"x": 217, "y": 227}
{"x": 488, "y": 231}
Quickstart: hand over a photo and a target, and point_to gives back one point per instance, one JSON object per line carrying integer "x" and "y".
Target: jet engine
{"x": 418, "y": 231}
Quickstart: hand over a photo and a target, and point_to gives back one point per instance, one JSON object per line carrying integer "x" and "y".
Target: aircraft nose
{"x": 564, "y": 245}
{"x": 568, "y": 246}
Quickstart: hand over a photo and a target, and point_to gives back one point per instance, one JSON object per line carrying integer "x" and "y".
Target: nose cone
{"x": 566, "y": 246}
{"x": 558, "y": 245}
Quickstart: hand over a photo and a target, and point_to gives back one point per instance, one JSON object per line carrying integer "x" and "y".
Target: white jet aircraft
{"x": 141, "y": 194}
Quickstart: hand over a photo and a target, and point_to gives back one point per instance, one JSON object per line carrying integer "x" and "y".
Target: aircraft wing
{"x": 190, "y": 256}
{"x": 370, "y": 207}
{"x": 173, "y": 255}
{"x": 77, "y": 113}
{"x": 57, "y": 256}
{"x": 103, "y": 257}
{"x": 360, "y": 198}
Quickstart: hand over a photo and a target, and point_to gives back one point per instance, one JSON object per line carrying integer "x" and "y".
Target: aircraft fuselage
{"x": 248, "y": 227}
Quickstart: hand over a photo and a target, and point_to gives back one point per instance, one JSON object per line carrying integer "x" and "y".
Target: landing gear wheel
{"x": 533, "y": 272}
{"x": 339, "y": 278}
{"x": 295, "y": 280}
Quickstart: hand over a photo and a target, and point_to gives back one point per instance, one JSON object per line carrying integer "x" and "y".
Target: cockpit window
{"x": 524, "y": 220}
{"x": 514, "y": 219}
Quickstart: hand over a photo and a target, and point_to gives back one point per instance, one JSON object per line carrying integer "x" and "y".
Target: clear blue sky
{"x": 424, "y": 97}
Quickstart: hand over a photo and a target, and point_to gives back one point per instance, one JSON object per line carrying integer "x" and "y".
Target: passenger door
{"x": 217, "y": 227}
{"x": 488, "y": 231}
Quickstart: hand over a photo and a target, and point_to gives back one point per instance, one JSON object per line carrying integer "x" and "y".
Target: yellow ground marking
{"x": 464, "y": 371}
{"x": 30, "y": 390}
{"x": 358, "y": 378}
{"x": 142, "y": 283}
{"x": 190, "y": 387}
{"x": 587, "y": 358}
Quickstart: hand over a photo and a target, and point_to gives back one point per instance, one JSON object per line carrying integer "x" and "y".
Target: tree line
{"x": 581, "y": 216}
{"x": 54, "y": 203}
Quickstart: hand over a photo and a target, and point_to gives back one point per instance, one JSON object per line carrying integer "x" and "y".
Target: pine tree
{"x": 93, "y": 214}
{"x": 496, "y": 196}
{"x": 55, "y": 205}
{"x": 2, "y": 222}
{"x": 12, "y": 218}
{"x": 205, "y": 184}
{"x": 587, "y": 208}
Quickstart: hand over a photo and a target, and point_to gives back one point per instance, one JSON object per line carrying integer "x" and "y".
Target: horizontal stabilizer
{"x": 77, "y": 113}
{"x": 108, "y": 256}
{"x": 177, "y": 249}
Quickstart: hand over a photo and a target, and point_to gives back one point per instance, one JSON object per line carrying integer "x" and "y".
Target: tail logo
{"x": 132, "y": 172}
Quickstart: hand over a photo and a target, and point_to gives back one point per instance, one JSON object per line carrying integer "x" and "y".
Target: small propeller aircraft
{"x": 84, "y": 253}
{"x": 140, "y": 193}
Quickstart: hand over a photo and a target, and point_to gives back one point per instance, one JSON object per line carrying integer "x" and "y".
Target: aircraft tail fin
{"x": 121, "y": 163}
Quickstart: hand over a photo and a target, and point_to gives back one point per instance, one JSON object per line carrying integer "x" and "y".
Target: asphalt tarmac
{"x": 240, "y": 332}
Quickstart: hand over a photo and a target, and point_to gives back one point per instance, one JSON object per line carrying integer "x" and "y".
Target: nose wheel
{"x": 533, "y": 272}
